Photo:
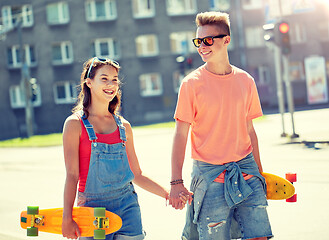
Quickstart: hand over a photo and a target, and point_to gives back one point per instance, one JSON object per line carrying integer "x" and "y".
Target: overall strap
{"x": 122, "y": 129}
{"x": 89, "y": 128}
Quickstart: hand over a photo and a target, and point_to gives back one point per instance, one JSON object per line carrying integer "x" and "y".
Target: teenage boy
{"x": 218, "y": 102}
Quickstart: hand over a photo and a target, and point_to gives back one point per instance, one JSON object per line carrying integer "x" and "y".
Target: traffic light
{"x": 34, "y": 89}
{"x": 284, "y": 38}
{"x": 269, "y": 32}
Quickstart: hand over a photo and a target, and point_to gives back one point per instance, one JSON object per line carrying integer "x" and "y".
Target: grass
{"x": 55, "y": 139}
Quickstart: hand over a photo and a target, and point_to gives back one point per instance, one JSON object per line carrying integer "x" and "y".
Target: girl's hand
{"x": 70, "y": 229}
{"x": 185, "y": 198}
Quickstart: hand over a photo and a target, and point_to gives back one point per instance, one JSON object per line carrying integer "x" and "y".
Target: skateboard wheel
{"x": 292, "y": 199}
{"x": 291, "y": 177}
{"x": 32, "y": 210}
{"x": 99, "y": 212}
{"x": 99, "y": 234}
{"x": 32, "y": 232}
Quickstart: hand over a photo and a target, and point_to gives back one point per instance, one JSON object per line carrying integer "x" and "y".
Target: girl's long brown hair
{"x": 84, "y": 97}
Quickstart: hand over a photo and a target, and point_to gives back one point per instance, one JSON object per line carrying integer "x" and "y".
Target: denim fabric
{"x": 250, "y": 215}
{"x": 235, "y": 189}
{"x": 109, "y": 184}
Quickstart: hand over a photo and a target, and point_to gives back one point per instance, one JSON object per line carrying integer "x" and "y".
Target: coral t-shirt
{"x": 85, "y": 151}
{"x": 218, "y": 108}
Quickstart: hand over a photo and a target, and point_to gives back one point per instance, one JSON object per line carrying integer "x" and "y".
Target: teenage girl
{"x": 99, "y": 154}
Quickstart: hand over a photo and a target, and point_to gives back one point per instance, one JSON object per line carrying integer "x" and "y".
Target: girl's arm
{"x": 140, "y": 179}
{"x": 71, "y": 136}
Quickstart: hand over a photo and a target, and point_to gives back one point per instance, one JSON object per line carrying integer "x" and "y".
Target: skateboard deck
{"x": 279, "y": 188}
{"x": 92, "y": 222}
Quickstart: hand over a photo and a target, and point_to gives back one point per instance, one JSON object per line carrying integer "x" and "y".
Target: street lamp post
{"x": 25, "y": 83}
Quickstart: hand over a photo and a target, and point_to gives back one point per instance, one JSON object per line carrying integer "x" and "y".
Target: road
{"x": 35, "y": 176}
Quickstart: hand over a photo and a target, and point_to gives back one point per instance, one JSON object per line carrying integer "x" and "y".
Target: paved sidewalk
{"x": 35, "y": 176}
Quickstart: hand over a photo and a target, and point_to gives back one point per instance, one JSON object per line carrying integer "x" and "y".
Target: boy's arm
{"x": 177, "y": 161}
{"x": 254, "y": 143}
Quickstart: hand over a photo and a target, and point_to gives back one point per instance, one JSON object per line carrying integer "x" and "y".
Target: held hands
{"x": 179, "y": 195}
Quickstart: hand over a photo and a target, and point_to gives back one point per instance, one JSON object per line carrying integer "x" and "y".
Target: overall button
{"x": 95, "y": 144}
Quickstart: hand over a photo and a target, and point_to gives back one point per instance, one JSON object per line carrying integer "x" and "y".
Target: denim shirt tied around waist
{"x": 236, "y": 189}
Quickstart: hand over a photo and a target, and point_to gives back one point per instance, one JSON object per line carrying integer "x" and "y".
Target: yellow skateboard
{"x": 92, "y": 222}
{"x": 279, "y": 188}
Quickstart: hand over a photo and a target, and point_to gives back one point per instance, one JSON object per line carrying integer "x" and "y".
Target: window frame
{"x": 91, "y": 12}
{"x": 69, "y": 87}
{"x": 298, "y": 33}
{"x": 15, "y": 50}
{"x": 143, "y": 42}
{"x": 217, "y": 5}
{"x": 174, "y": 8}
{"x": 252, "y": 5}
{"x": 149, "y": 91}
{"x": 250, "y": 35}
{"x": 61, "y": 8}
{"x": 178, "y": 47}
{"x": 112, "y": 47}
{"x": 9, "y": 20}
{"x": 64, "y": 59}
{"x": 299, "y": 68}
{"x": 15, "y": 91}
{"x": 142, "y": 12}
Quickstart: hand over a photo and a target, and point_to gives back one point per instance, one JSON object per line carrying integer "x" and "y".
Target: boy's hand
{"x": 179, "y": 196}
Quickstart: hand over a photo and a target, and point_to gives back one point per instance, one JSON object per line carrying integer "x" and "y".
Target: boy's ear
{"x": 227, "y": 40}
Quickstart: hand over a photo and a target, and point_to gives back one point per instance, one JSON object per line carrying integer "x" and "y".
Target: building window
{"x": 252, "y": 4}
{"x": 58, "y": 13}
{"x": 101, "y": 10}
{"x": 263, "y": 76}
{"x": 143, "y": 8}
{"x": 324, "y": 30}
{"x": 14, "y": 57}
{"x": 181, "y": 42}
{"x": 297, "y": 33}
{"x": 147, "y": 45}
{"x": 106, "y": 47}
{"x": 65, "y": 92}
{"x": 62, "y": 53}
{"x": 296, "y": 71}
{"x": 150, "y": 84}
{"x": 12, "y": 14}
{"x": 219, "y": 5}
{"x": 181, "y": 7}
{"x": 177, "y": 80}
{"x": 17, "y": 97}
{"x": 254, "y": 37}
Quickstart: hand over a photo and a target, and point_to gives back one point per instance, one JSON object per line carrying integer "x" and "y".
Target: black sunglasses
{"x": 208, "y": 41}
{"x": 112, "y": 62}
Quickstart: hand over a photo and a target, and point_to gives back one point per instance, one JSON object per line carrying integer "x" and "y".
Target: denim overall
{"x": 109, "y": 184}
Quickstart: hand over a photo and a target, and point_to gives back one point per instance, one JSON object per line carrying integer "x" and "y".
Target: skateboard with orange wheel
{"x": 279, "y": 188}
{"x": 92, "y": 222}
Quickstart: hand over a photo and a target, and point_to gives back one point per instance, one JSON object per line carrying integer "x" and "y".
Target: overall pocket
{"x": 111, "y": 168}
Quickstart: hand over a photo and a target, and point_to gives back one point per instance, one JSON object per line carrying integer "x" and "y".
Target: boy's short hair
{"x": 219, "y": 19}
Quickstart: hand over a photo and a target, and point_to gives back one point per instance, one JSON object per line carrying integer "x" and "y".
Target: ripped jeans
{"x": 250, "y": 216}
